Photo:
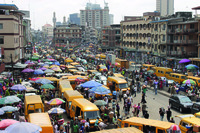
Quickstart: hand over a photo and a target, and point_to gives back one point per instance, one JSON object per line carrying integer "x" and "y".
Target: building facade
{"x": 165, "y": 7}
{"x": 111, "y": 18}
{"x": 67, "y": 34}
{"x": 74, "y": 18}
{"x": 95, "y": 16}
{"x": 47, "y": 30}
{"x": 11, "y": 33}
{"x": 111, "y": 37}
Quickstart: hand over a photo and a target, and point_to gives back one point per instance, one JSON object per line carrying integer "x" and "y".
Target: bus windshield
{"x": 91, "y": 114}
{"x": 124, "y": 85}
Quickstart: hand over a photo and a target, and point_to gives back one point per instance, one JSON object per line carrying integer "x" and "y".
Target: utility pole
{"x": 12, "y": 65}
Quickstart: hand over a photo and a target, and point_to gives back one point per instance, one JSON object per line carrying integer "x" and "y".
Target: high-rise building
{"x": 95, "y": 16}
{"x": 47, "y": 30}
{"x": 74, "y": 18}
{"x": 111, "y": 16}
{"x": 165, "y": 7}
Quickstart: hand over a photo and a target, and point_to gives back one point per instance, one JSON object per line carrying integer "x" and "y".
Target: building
{"x": 67, "y": 35}
{"x": 111, "y": 17}
{"x": 165, "y": 7}
{"x": 47, "y": 30}
{"x": 110, "y": 37}
{"x": 11, "y": 33}
{"x": 95, "y": 16}
{"x": 74, "y": 18}
{"x": 136, "y": 36}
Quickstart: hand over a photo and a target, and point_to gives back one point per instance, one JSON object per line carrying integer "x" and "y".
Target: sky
{"x": 41, "y": 11}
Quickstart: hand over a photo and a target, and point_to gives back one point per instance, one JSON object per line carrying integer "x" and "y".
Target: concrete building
{"x": 165, "y": 7}
{"x": 74, "y": 18}
{"x": 110, "y": 37}
{"x": 111, "y": 17}
{"x": 67, "y": 35}
{"x": 47, "y": 30}
{"x": 11, "y": 33}
{"x": 95, "y": 16}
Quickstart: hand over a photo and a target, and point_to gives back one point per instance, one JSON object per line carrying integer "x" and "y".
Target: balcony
{"x": 183, "y": 42}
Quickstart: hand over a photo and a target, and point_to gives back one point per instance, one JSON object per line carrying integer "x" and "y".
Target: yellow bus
{"x": 70, "y": 67}
{"x": 147, "y": 66}
{"x": 69, "y": 96}
{"x": 74, "y": 64}
{"x": 189, "y": 120}
{"x": 118, "y": 75}
{"x": 101, "y": 68}
{"x": 85, "y": 109}
{"x": 33, "y": 104}
{"x": 64, "y": 85}
{"x": 196, "y": 79}
{"x": 162, "y": 71}
{"x": 177, "y": 77}
{"x": 42, "y": 120}
{"x": 146, "y": 125}
{"x": 120, "y": 130}
{"x": 120, "y": 84}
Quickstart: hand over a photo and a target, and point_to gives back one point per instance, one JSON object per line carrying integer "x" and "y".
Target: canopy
{"x": 47, "y": 86}
{"x": 43, "y": 81}
{"x": 8, "y": 109}
{"x": 38, "y": 72}
{"x": 184, "y": 61}
{"x": 91, "y": 84}
{"x": 7, "y": 122}
{"x": 9, "y": 100}
{"x": 56, "y": 111}
{"x": 18, "y": 87}
{"x": 99, "y": 90}
{"x": 27, "y": 70}
{"x": 56, "y": 101}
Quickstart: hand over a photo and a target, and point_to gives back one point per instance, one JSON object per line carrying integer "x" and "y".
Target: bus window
{"x": 183, "y": 77}
{"x": 161, "y": 131}
{"x": 177, "y": 77}
{"x": 125, "y": 124}
{"x": 159, "y": 71}
{"x": 162, "y": 72}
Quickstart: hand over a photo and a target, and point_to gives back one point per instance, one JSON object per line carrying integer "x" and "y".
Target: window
{"x": 1, "y": 26}
{"x": 177, "y": 77}
{"x": 158, "y": 71}
{"x": 163, "y": 38}
{"x": 73, "y": 108}
{"x": 162, "y": 72}
{"x": 1, "y": 39}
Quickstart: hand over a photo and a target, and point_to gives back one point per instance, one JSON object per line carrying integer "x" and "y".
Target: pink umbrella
{"x": 7, "y": 122}
{"x": 34, "y": 79}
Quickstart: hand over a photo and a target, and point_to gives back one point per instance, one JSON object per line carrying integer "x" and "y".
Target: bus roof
{"x": 147, "y": 65}
{"x": 192, "y": 120}
{"x": 74, "y": 63}
{"x": 162, "y": 68}
{"x": 193, "y": 77}
{"x": 40, "y": 119}
{"x": 33, "y": 99}
{"x": 49, "y": 78}
{"x": 70, "y": 66}
{"x": 117, "y": 79}
{"x": 72, "y": 94}
{"x": 178, "y": 74}
{"x": 150, "y": 122}
{"x": 85, "y": 105}
{"x": 121, "y": 130}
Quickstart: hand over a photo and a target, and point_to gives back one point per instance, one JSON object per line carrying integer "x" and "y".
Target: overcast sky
{"x": 42, "y": 10}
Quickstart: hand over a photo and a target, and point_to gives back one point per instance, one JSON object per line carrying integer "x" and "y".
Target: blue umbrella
{"x": 38, "y": 72}
{"x": 56, "y": 111}
{"x": 99, "y": 90}
{"x": 56, "y": 63}
{"x": 1, "y": 112}
{"x": 191, "y": 65}
{"x": 43, "y": 81}
{"x": 91, "y": 84}
{"x": 8, "y": 109}
{"x": 18, "y": 87}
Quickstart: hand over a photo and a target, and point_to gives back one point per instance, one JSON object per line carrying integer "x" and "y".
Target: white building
{"x": 95, "y": 16}
{"x": 111, "y": 16}
{"x": 165, "y": 7}
{"x": 47, "y": 29}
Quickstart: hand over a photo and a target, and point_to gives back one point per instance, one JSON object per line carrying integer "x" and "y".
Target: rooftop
{"x": 196, "y": 8}
{"x": 8, "y": 6}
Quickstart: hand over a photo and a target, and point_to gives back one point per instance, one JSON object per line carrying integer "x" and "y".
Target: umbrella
{"x": 29, "y": 62}
{"x": 9, "y": 100}
{"x": 150, "y": 71}
{"x": 43, "y": 68}
{"x": 184, "y": 61}
{"x": 8, "y": 109}
{"x": 56, "y": 111}
{"x": 100, "y": 103}
{"x": 34, "y": 79}
{"x": 38, "y": 72}
{"x": 189, "y": 81}
{"x": 34, "y": 58}
{"x": 47, "y": 86}
{"x": 56, "y": 101}
{"x": 57, "y": 69}
{"x": 56, "y": 63}
{"x": 91, "y": 84}
{"x": 28, "y": 70}
{"x": 54, "y": 66}
{"x": 46, "y": 66}
{"x": 40, "y": 64}
{"x": 117, "y": 64}
{"x": 175, "y": 127}
{"x": 26, "y": 83}
{"x": 23, "y": 127}
{"x": 192, "y": 65}
{"x": 18, "y": 87}
{"x": 1, "y": 112}
{"x": 99, "y": 90}
{"x": 7, "y": 122}
{"x": 49, "y": 71}
{"x": 43, "y": 81}
{"x": 45, "y": 60}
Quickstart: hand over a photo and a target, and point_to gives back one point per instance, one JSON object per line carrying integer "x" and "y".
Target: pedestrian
{"x": 162, "y": 113}
{"x": 169, "y": 114}
{"x": 113, "y": 105}
{"x": 87, "y": 125}
{"x": 76, "y": 128}
{"x": 120, "y": 95}
{"x": 135, "y": 90}
{"x": 129, "y": 105}
{"x": 172, "y": 120}
{"x": 96, "y": 124}
{"x": 118, "y": 110}
{"x": 67, "y": 127}
{"x": 127, "y": 92}
{"x": 143, "y": 98}
{"x": 144, "y": 106}
{"x": 82, "y": 128}
{"x": 146, "y": 115}
{"x": 155, "y": 86}
{"x": 138, "y": 109}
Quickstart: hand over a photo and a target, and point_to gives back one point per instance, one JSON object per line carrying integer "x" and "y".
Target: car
{"x": 180, "y": 102}
{"x": 100, "y": 79}
{"x": 195, "y": 108}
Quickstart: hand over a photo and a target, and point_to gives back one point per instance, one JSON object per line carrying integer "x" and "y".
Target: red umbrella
{"x": 175, "y": 127}
{"x": 34, "y": 79}
{"x": 7, "y": 122}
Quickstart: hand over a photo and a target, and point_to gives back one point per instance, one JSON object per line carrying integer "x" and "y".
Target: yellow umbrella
{"x": 53, "y": 66}
{"x": 46, "y": 66}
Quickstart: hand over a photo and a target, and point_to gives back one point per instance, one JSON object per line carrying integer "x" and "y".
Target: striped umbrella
{"x": 56, "y": 111}
{"x": 56, "y": 101}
